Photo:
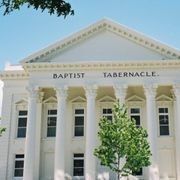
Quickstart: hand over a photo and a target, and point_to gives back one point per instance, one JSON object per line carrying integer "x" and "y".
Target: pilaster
{"x": 5, "y": 137}
{"x": 176, "y": 91}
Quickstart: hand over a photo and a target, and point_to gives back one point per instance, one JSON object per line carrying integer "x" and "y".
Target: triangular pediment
{"x": 135, "y": 98}
{"x": 51, "y": 99}
{"x": 107, "y": 99}
{"x": 163, "y": 98}
{"x": 22, "y": 102}
{"x": 78, "y": 99}
{"x": 104, "y": 41}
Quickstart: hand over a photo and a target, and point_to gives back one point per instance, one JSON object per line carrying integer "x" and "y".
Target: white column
{"x": 176, "y": 90}
{"x": 120, "y": 93}
{"x": 150, "y": 92}
{"x": 90, "y": 160}
{"x": 30, "y": 135}
{"x": 59, "y": 166}
{"x": 38, "y": 135}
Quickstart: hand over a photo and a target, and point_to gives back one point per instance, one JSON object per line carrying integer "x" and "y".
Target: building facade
{"x": 53, "y": 100}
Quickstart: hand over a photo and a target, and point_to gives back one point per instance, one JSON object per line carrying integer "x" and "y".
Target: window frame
{"x": 47, "y": 118}
{"x": 105, "y": 105}
{"x": 15, "y": 160}
{"x": 141, "y": 106}
{"x": 78, "y": 105}
{"x": 107, "y": 114}
{"x": 136, "y": 114}
{"x": 20, "y": 107}
{"x": 165, "y": 104}
{"x": 78, "y": 158}
{"x": 169, "y": 119}
{"x": 47, "y": 106}
{"x": 74, "y": 121}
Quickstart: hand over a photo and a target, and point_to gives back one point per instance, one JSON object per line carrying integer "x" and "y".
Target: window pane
{"x": 23, "y": 113}
{"x": 51, "y": 132}
{"x": 18, "y": 172}
{"x": 79, "y": 120}
{"x": 78, "y": 172}
{"x": 21, "y": 132}
{"x": 79, "y": 131}
{"x": 107, "y": 111}
{"x": 19, "y": 156}
{"x": 52, "y": 111}
{"x": 22, "y": 122}
{"x": 109, "y": 118}
{"x": 78, "y": 163}
{"x": 135, "y": 110}
{"x": 163, "y": 119}
{"x": 19, "y": 164}
{"x": 79, "y": 155}
{"x": 164, "y": 130}
{"x": 137, "y": 120}
{"x": 138, "y": 173}
{"x": 51, "y": 121}
{"x": 163, "y": 110}
{"x": 79, "y": 111}
{"x": 104, "y": 111}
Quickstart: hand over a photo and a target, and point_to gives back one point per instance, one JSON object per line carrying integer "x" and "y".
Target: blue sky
{"x": 26, "y": 31}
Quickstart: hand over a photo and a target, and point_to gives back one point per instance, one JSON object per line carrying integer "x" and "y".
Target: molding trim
{"x": 128, "y": 65}
{"x": 33, "y": 67}
{"x": 13, "y": 75}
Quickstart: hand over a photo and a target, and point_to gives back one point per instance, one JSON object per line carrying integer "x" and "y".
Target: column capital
{"x": 32, "y": 91}
{"x": 176, "y": 90}
{"x": 40, "y": 96}
{"x": 150, "y": 90}
{"x": 91, "y": 91}
{"x": 61, "y": 91}
{"x": 120, "y": 91}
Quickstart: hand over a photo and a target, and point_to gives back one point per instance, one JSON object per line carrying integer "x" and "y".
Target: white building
{"x": 52, "y": 104}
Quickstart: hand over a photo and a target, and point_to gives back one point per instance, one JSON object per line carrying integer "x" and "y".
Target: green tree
{"x": 123, "y": 146}
{"x": 2, "y": 130}
{"x": 58, "y": 7}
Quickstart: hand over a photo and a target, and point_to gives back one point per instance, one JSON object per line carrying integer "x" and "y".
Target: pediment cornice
{"x": 102, "y": 25}
{"x": 32, "y": 67}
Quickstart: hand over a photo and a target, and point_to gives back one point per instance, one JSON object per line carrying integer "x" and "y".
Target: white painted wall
{"x": 15, "y": 96}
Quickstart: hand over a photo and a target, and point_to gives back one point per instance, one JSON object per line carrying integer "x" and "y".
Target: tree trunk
{"x": 118, "y": 176}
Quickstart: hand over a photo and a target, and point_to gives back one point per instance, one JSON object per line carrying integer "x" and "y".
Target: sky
{"x": 27, "y": 31}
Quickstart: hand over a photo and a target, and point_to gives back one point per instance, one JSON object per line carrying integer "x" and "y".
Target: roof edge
{"x": 106, "y": 24}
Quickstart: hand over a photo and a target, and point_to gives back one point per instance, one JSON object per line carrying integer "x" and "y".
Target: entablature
{"x": 29, "y": 68}
{"x": 123, "y": 65}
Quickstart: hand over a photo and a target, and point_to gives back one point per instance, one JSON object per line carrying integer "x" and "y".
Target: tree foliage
{"x": 123, "y": 146}
{"x": 2, "y": 130}
{"x": 58, "y": 7}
